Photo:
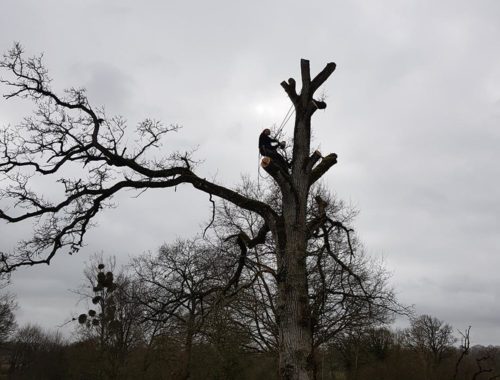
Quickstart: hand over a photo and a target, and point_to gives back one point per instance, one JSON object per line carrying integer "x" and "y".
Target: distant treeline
{"x": 220, "y": 354}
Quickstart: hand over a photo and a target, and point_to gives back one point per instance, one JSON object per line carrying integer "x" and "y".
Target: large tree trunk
{"x": 296, "y": 360}
{"x": 294, "y": 317}
{"x": 294, "y": 323}
{"x": 296, "y": 354}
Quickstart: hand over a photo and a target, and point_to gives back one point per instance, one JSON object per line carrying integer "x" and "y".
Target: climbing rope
{"x": 287, "y": 117}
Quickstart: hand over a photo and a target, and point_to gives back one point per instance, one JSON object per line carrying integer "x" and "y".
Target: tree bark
{"x": 295, "y": 333}
{"x": 296, "y": 353}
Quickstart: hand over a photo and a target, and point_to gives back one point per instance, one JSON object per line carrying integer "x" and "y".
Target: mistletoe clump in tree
{"x": 104, "y": 300}
{"x": 113, "y": 321}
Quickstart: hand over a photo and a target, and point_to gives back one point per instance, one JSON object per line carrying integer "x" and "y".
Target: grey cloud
{"x": 413, "y": 112}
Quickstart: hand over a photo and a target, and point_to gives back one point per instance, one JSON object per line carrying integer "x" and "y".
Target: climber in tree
{"x": 268, "y": 147}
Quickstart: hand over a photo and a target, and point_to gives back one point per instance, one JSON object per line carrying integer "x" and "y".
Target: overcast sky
{"x": 413, "y": 114}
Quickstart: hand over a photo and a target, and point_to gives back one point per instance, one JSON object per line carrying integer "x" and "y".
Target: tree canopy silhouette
{"x": 67, "y": 134}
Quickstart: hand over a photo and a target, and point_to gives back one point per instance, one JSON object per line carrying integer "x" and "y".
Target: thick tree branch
{"x": 89, "y": 201}
{"x": 281, "y": 175}
{"x": 322, "y": 76}
{"x": 325, "y": 164}
{"x": 69, "y": 131}
{"x": 232, "y": 196}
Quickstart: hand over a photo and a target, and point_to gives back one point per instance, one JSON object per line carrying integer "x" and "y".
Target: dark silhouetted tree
{"x": 432, "y": 339}
{"x": 36, "y": 354}
{"x": 346, "y": 291}
{"x": 178, "y": 287}
{"x": 113, "y": 321}
{"x": 68, "y": 132}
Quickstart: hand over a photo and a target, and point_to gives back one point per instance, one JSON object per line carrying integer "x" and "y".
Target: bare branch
{"x": 213, "y": 216}
{"x": 244, "y": 242}
{"x": 67, "y": 131}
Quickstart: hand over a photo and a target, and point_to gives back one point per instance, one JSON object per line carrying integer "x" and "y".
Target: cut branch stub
{"x": 313, "y": 159}
{"x": 291, "y": 91}
{"x": 320, "y": 105}
{"x": 278, "y": 172}
{"x": 320, "y": 169}
{"x": 265, "y": 161}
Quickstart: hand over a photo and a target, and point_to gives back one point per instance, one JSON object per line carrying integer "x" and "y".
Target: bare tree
{"x": 432, "y": 339}
{"x": 347, "y": 292}
{"x": 485, "y": 358}
{"x": 464, "y": 349}
{"x": 113, "y": 321}
{"x": 68, "y": 132}
{"x": 179, "y": 287}
{"x": 35, "y": 353}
